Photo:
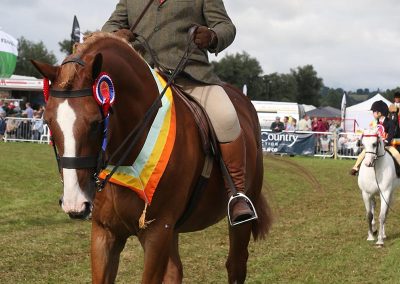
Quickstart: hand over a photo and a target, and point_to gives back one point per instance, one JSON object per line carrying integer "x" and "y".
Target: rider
{"x": 386, "y": 130}
{"x": 165, "y": 27}
{"x": 394, "y": 115}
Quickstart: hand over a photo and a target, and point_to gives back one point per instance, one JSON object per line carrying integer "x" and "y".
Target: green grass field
{"x": 319, "y": 232}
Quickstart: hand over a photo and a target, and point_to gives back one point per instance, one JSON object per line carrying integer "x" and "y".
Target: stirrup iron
{"x": 241, "y": 195}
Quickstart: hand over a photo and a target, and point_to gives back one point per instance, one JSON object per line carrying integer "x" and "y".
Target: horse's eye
{"x": 374, "y": 145}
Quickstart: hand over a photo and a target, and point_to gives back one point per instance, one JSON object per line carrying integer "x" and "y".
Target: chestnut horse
{"x": 76, "y": 124}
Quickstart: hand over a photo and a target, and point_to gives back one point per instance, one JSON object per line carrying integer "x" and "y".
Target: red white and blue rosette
{"x": 104, "y": 92}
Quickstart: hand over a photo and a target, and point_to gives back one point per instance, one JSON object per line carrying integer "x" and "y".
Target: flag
{"x": 8, "y": 54}
{"x": 343, "y": 112}
{"x": 245, "y": 89}
{"x": 76, "y": 34}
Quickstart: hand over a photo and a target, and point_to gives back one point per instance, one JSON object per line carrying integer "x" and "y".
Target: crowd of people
{"x": 30, "y": 129}
{"x": 305, "y": 124}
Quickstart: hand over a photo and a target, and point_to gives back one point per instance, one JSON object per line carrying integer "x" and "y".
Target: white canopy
{"x": 361, "y": 112}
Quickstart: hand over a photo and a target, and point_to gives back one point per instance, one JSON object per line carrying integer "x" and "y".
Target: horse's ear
{"x": 97, "y": 65}
{"x": 47, "y": 70}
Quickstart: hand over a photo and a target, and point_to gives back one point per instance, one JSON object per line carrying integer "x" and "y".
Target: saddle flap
{"x": 200, "y": 116}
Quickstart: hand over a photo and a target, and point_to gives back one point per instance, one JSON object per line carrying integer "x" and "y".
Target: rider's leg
{"x": 394, "y": 153}
{"x": 225, "y": 122}
{"x": 356, "y": 166}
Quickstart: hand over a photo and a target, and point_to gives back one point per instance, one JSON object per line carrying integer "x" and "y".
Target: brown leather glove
{"x": 205, "y": 38}
{"x": 126, "y": 34}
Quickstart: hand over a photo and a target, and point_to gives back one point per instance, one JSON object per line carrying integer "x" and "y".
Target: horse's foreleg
{"x": 106, "y": 248}
{"x": 156, "y": 241}
{"x": 373, "y": 204}
{"x": 174, "y": 272}
{"x": 385, "y": 201}
{"x": 370, "y": 214}
{"x": 239, "y": 237}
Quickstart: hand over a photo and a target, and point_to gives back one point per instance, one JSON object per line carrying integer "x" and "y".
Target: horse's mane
{"x": 68, "y": 71}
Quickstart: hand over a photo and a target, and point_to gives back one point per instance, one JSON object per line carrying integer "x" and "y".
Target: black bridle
{"x": 376, "y": 153}
{"x": 84, "y": 162}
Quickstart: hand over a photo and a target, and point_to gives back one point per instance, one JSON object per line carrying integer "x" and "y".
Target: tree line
{"x": 302, "y": 84}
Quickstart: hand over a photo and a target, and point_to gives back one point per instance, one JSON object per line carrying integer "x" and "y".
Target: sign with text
{"x": 288, "y": 142}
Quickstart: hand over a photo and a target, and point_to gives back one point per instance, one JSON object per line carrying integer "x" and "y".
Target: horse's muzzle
{"x": 84, "y": 214}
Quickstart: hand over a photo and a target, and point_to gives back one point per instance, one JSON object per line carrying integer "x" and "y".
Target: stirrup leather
{"x": 241, "y": 195}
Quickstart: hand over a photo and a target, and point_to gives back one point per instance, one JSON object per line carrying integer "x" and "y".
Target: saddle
{"x": 206, "y": 132}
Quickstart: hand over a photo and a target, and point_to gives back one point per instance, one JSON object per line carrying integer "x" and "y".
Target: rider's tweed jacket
{"x": 166, "y": 27}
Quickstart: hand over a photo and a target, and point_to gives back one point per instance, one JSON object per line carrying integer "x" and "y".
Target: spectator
{"x": 331, "y": 126}
{"x": 321, "y": 126}
{"x": 285, "y": 122}
{"x": 292, "y": 126}
{"x": 2, "y": 110}
{"x": 314, "y": 124}
{"x": 305, "y": 123}
{"x": 277, "y": 125}
{"x": 28, "y": 112}
{"x": 37, "y": 127}
{"x": 3, "y": 124}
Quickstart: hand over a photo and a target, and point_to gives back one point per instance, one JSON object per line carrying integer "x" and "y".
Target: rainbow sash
{"x": 146, "y": 171}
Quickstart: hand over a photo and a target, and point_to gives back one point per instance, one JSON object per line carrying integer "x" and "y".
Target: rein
{"x": 140, "y": 127}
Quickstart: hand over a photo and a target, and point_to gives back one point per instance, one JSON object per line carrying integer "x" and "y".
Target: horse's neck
{"x": 131, "y": 105}
{"x": 381, "y": 150}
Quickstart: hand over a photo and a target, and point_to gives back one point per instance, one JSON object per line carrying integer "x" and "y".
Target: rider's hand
{"x": 205, "y": 38}
{"x": 126, "y": 34}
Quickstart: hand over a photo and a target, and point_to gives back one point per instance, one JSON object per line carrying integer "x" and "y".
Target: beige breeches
{"x": 218, "y": 106}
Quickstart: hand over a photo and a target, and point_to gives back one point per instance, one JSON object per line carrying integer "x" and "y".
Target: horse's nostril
{"x": 60, "y": 201}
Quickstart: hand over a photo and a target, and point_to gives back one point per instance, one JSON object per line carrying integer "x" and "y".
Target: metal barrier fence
{"x": 326, "y": 144}
{"x": 26, "y": 130}
{"x": 348, "y": 145}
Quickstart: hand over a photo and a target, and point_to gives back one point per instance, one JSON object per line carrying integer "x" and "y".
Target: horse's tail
{"x": 261, "y": 226}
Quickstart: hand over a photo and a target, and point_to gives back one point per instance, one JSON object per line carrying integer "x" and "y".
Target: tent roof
{"x": 366, "y": 105}
{"x": 324, "y": 112}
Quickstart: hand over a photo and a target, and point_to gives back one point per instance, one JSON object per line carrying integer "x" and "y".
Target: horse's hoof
{"x": 379, "y": 246}
{"x": 370, "y": 239}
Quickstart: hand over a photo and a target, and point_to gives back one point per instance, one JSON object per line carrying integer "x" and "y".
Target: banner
{"x": 8, "y": 54}
{"x": 291, "y": 143}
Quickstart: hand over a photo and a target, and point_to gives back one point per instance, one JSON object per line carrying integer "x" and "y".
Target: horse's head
{"x": 79, "y": 97}
{"x": 373, "y": 146}
{"x": 76, "y": 122}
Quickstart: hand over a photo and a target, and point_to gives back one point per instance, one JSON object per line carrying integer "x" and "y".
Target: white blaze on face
{"x": 74, "y": 199}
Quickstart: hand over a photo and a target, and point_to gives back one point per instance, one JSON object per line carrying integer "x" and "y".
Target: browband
{"x": 72, "y": 93}
{"x": 74, "y": 60}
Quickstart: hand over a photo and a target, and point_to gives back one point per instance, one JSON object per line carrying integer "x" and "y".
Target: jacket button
{"x": 156, "y": 29}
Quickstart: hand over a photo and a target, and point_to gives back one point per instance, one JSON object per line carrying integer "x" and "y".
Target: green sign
{"x": 8, "y": 54}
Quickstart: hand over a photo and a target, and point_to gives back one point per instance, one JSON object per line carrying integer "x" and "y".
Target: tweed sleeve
{"x": 218, "y": 20}
{"x": 118, "y": 19}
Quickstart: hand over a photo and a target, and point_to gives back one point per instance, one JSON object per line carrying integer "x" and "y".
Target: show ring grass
{"x": 318, "y": 236}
